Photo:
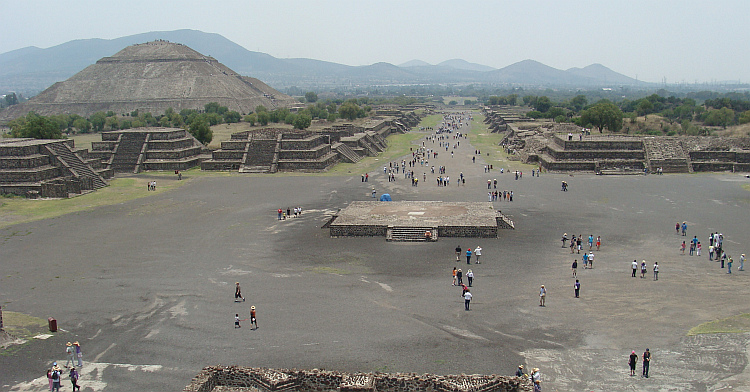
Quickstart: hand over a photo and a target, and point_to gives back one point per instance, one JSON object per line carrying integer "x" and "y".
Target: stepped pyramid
{"x": 152, "y": 77}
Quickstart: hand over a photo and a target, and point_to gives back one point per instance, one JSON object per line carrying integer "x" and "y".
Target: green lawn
{"x": 734, "y": 324}
{"x": 482, "y": 138}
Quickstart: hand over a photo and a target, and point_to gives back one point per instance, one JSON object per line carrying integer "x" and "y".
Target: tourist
{"x": 458, "y": 253}
{"x": 682, "y": 247}
{"x": 632, "y": 361}
{"x": 634, "y": 264}
{"x": 677, "y": 228}
{"x": 237, "y": 321}
{"x": 455, "y": 281}
{"x": 574, "y": 267}
{"x": 519, "y": 371}
{"x": 542, "y": 295}
{"x": 71, "y": 354}
{"x": 591, "y": 241}
{"x": 74, "y": 378}
{"x": 698, "y": 248}
{"x": 643, "y": 269}
{"x": 564, "y": 239}
{"x": 467, "y": 299}
{"x": 729, "y": 266}
{"x": 646, "y": 362}
{"x": 538, "y": 386}
{"x": 49, "y": 376}
{"x": 468, "y": 256}
{"x": 280, "y": 212}
{"x": 238, "y": 292}
{"x": 253, "y": 320}
{"x": 56, "y": 375}
{"x": 711, "y": 251}
{"x": 79, "y": 353}
{"x": 460, "y": 277}
{"x": 477, "y": 253}
{"x": 598, "y": 242}
{"x": 535, "y": 375}
{"x": 656, "y": 270}
{"x": 577, "y": 287}
{"x": 684, "y": 229}
{"x": 585, "y": 260}
{"x": 742, "y": 262}
{"x": 591, "y": 260}
{"x": 470, "y": 277}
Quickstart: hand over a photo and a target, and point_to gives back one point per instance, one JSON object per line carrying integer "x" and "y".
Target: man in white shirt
{"x": 467, "y": 299}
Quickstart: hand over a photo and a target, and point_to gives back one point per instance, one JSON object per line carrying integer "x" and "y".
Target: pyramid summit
{"x": 152, "y": 77}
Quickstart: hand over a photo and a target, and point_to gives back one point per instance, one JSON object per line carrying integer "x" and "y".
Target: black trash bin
{"x": 52, "y": 324}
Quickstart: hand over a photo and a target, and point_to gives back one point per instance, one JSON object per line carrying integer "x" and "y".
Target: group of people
{"x": 458, "y": 273}
{"x": 535, "y": 377}
{"x": 55, "y": 373}
{"x": 239, "y": 298}
{"x": 151, "y": 185}
{"x": 297, "y": 211}
{"x": 633, "y": 362}
{"x": 576, "y": 242}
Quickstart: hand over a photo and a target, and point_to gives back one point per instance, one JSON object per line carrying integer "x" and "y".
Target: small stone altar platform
{"x": 418, "y": 220}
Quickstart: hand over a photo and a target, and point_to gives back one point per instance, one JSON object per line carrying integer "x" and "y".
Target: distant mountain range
{"x": 30, "y": 70}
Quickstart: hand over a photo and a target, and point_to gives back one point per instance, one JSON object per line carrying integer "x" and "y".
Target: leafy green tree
{"x": 453, "y": 103}
{"x": 331, "y": 108}
{"x": 579, "y": 102}
{"x": 98, "y": 121}
{"x": 112, "y": 123}
{"x": 260, "y": 108}
{"x": 604, "y": 114}
{"x": 263, "y": 118}
{"x": 37, "y": 127}
{"x": 83, "y": 125}
{"x": 211, "y": 107}
{"x": 745, "y": 117}
{"x": 302, "y": 121}
{"x": 232, "y": 117}
{"x": 644, "y": 107}
{"x": 349, "y": 111}
{"x": 200, "y": 129}
{"x": 251, "y": 118}
{"x": 332, "y": 117}
{"x": 164, "y": 121}
{"x": 11, "y": 99}
{"x": 542, "y": 104}
{"x": 719, "y": 117}
{"x": 290, "y": 118}
{"x": 310, "y": 96}
{"x": 512, "y": 99}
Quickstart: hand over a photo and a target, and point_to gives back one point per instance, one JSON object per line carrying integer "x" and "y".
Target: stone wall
{"x": 359, "y": 231}
{"x": 468, "y": 231}
{"x": 273, "y": 380}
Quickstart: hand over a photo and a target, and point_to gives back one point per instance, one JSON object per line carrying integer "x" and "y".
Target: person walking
{"x": 467, "y": 299}
{"x": 682, "y": 247}
{"x": 577, "y": 288}
{"x": 632, "y": 362}
{"x": 574, "y": 267}
{"x": 458, "y": 253}
{"x": 73, "y": 375}
{"x": 470, "y": 277}
{"x": 237, "y": 321}
{"x": 455, "y": 281}
{"x": 477, "y": 253}
{"x": 238, "y": 292}
{"x": 49, "y": 376}
{"x": 646, "y": 363}
{"x": 635, "y": 267}
{"x": 79, "y": 353}
{"x": 56, "y": 376}
{"x": 643, "y": 269}
{"x": 542, "y": 295}
{"x": 460, "y": 276}
{"x": 729, "y": 266}
{"x": 253, "y": 320}
{"x": 656, "y": 270}
{"x": 742, "y": 262}
{"x": 71, "y": 352}
{"x": 684, "y": 229}
{"x": 564, "y": 239}
{"x": 591, "y": 259}
{"x": 468, "y": 256}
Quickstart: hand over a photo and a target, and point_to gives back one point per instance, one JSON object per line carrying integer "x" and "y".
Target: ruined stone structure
{"x": 236, "y": 378}
{"x": 499, "y": 117}
{"x": 562, "y": 147}
{"x": 152, "y": 77}
{"x": 142, "y": 149}
{"x": 411, "y": 220}
{"x": 270, "y": 150}
{"x": 48, "y": 168}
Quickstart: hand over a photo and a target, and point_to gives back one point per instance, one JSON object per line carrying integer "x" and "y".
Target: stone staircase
{"x": 128, "y": 152}
{"x": 412, "y": 234}
{"x": 346, "y": 153}
{"x": 75, "y": 164}
{"x": 667, "y": 153}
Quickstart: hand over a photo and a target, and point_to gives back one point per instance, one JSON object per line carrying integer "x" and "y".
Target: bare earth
{"x": 146, "y": 286}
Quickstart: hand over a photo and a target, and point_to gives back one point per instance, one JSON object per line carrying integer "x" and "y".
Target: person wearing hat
{"x": 71, "y": 354}
{"x": 564, "y": 239}
{"x": 535, "y": 375}
{"x": 467, "y": 298}
{"x": 742, "y": 262}
{"x": 477, "y": 253}
{"x": 56, "y": 374}
{"x": 74, "y": 378}
{"x": 519, "y": 371}
{"x": 632, "y": 361}
{"x": 79, "y": 354}
{"x": 646, "y": 362}
{"x": 538, "y": 386}
{"x": 253, "y": 320}
{"x": 238, "y": 292}
{"x": 542, "y": 295}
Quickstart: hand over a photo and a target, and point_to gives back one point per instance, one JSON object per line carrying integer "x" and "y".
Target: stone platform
{"x": 410, "y": 220}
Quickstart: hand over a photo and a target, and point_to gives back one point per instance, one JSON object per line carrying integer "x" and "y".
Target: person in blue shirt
{"x": 468, "y": 256}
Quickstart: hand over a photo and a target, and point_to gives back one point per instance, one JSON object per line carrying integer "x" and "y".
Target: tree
{"x": 349, "y": 111}
{"x": 82, "y": 125}
{"x": 604, "y": 114}
{"x": 98, "y": 120}
{"x": 232, "y": 117}
{"x": 164, "y": 121}
{"x": 251, "y": 118}
{"x": 37, "y": 127}
{"x": 263, "y": 118}
{"x": 302, "y": 121}
{"x": 512, "y": 99}
{"x": 200, "y": 130}
{"x": 11, "y": 99}
{"x": 719, "y": 117}
{"x": 542, "y": 104}
{"x": 579, "y": 102}
{"x": 644, "y": 107}
{"x": 745, "y": 117}
{"x": 211, "y": 107}
{"x": 310, "y": 96}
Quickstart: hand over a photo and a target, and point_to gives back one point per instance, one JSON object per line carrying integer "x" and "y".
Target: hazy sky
{"x": 684, "y": 41}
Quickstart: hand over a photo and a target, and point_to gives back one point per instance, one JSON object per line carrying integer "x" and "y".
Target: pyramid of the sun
{"x": 152, "y": 77}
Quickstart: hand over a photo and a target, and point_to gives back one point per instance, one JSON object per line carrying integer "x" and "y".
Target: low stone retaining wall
{"x": 272, "y": 380}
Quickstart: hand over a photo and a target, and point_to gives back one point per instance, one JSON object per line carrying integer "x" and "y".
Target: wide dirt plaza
{"x": 147, "y": 286}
